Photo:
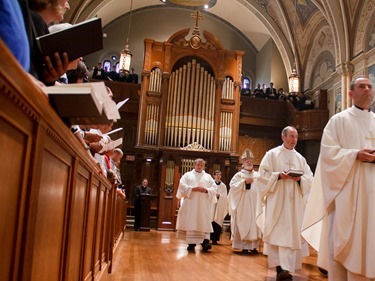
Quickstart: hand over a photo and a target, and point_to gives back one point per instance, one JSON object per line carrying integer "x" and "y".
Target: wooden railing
{"x": 262, "y": 112}
{"x": 309, "y": 123}
{"x": 60, "y": 218}
{"x": 278, "y": 114}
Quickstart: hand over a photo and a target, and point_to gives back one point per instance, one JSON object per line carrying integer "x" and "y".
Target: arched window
{"x": 107, "y": 65}
{"x": 246, "y": 83}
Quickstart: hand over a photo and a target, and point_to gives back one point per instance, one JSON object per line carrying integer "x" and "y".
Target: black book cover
{"x": 79, "y": 40}
{"x": 294, "y": 173}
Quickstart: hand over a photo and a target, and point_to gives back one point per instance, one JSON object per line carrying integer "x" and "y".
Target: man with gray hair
{"x": 242, "y": 198}
{"x": 285, "y": 182}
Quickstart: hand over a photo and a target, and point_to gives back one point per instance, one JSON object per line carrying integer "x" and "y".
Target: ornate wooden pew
{"x": 60, "y": 219}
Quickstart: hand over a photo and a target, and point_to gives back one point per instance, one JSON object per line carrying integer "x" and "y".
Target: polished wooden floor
{"x": 160, "y": 256}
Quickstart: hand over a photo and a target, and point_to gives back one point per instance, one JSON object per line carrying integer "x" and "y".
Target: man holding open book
{"x": 285, "y": 182}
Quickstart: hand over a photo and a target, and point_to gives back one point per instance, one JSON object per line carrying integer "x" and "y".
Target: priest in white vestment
{"x": 340, "y": 217}
{"x": 242, "y": 199}
{"x": 220, "y": 209}
{"x": 284, "y": 199}
{"x": 197, "y": 190}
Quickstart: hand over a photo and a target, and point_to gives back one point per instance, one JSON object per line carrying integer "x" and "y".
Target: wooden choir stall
{"x": 60, "y": 218}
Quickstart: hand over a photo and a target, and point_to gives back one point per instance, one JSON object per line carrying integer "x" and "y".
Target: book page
{"x": 109, "y": 106}
{"x": 121, "y": 103}
{"x": 111, "y": 145}
{"x": 72, "y": 101}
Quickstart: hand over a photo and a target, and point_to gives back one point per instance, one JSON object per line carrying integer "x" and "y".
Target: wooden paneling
{"x": 14, "y": 146}
{"x": 49, "y": 222}
{"x": 98, "y": 257}
{"x": 273, "y": 114}
{"x": 52, "y": 200}
{"x": 90, "y": 231}
{"x": 75, "y": 238}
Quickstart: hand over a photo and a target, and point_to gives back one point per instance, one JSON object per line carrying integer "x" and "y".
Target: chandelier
{"x": 126, "y": 55}
{"x": 294, "y": 81}
{"x": 294, "y": 78}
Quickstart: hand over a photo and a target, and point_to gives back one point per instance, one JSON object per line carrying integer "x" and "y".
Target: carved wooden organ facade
{"x": 189, "y": 108}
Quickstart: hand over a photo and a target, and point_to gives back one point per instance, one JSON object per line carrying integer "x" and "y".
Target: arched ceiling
{"x": 292, "y": 24}
{"x": 240, "y": 14}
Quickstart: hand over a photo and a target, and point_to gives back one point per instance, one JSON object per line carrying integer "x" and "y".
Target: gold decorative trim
{"x": 195, "y": 146}
{"x": 195, "y": 42}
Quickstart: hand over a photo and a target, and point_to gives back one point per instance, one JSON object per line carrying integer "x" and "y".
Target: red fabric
{"x": 107, "y": 161}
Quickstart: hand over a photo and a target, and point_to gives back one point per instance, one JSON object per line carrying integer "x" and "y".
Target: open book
{"x": 83, "y": 103}
{"x": 294, "y": 173}
{"x": 111, "y": 145}
{"x": 77, "y": 41}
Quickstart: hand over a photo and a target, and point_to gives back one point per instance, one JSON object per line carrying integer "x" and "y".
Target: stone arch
{"x": 323, "y": 69}
{"x": 369, "y": 41}
{"x": 323, "y": 43}
{"x": 364, "y": 27}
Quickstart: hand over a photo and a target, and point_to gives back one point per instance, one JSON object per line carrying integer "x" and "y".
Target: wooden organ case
{"x": 189, "y": 108}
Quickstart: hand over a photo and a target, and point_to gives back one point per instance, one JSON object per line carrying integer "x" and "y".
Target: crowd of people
{"x": 299, "y": 100}
{"x": 288, "y": 208}
{"x": 22, "y": 22}
{"x": 282, "y": 204}
{"x": 266, "y": 205}
{"x": 100, "y": 73}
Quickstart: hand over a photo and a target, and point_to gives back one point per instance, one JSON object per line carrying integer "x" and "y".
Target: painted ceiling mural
{"x": 305, "y": 10}
{"x": 349, "y": 25}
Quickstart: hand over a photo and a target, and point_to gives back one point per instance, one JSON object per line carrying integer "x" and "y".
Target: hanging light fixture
{"x": 294, "y": 78}
{"x": 126, "y": 55}
{"x": 294, "y": 81}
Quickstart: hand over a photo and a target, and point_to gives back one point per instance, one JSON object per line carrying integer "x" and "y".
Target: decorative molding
{"x": 51, "y": 133}
{"x": 364, "y": 21}
{"x": 259, "y": 146}
{"x": 168, "y": 188}
{"x": 323, "y": 42}
{"x": 181, "y": 42}
{"x": 195, "y": 146}
{"x": 347, "y": 68}
{"x": 154, "y": 94}
{"x": 228, "y": 101}
{"x": 20, "y": 103}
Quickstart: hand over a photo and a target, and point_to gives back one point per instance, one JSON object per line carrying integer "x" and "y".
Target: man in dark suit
{"x": 271, "y": 92}
{"x": 258, "y": 92}
{"x": 132, "y": 77}
{"x": 99, "y": 73}
{"x": 113, "y": 75}
{"x": 139, "y": 190}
